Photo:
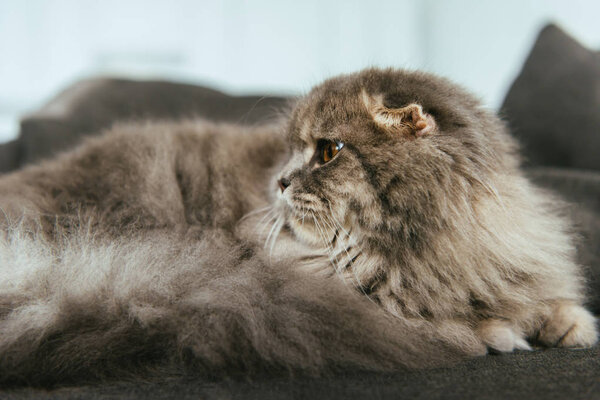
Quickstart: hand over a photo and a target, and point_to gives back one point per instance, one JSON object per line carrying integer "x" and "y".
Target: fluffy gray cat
{"x": 384, "y": 225}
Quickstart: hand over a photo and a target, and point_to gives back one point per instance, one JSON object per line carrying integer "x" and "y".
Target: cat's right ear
{"x": 407, "y": 120}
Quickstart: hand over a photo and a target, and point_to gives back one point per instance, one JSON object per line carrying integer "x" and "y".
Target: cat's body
{"x": 399, "y": 233}
{"x": 157, "y": 175}
{"x": 440, "y": 221}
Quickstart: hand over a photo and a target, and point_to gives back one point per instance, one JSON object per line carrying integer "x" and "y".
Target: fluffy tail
{"x": 86, "y": 310}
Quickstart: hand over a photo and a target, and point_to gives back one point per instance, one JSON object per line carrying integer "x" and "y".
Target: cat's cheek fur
{"x": 304, "y": 230}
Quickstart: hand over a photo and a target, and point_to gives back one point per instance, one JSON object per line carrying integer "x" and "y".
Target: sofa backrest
{"x": 89, "y": 106}
{"x": 553, "y": 107}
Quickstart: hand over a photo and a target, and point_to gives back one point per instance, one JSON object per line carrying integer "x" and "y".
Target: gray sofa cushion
{"x": 9, "y": 156}
{"x": 553, "y": 106}
{"x": 539, "y": 375}
{"x": 89, "y": 106}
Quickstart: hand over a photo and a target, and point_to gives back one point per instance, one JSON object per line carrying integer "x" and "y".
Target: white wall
{"x": 268, "y": 45}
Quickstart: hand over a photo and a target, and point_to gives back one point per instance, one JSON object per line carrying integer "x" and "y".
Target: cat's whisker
{"x": 257, "y": 211}
{"x": 320, "y": 233}
{"x": 359, "y": 284}
{"x": 326, "y": 240}
{"x": 350, "y": 259}
{"x": 270, "y": 213}
{"x": 266, "y": 225}
{"x": 274, "y": 232}
{"x": 334, "y": 226}
{"x": 271, "y": 232}
{"x": 279, "y": 223}
{"x": 332, "y": 257}
{"x": 338, "y": 227}
{"x": 266, "y": 220}
{"x": 335, "y": 219}
{"x": 331, "y": 227}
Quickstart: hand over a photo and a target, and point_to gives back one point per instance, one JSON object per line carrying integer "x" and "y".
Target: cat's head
{"x": 386, "y": 156}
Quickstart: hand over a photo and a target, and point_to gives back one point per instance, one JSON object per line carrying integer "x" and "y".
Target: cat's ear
{"x": 410, "y": 119}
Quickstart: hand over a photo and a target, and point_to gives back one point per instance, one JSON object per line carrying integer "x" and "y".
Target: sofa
{"x": 552, "y": 107}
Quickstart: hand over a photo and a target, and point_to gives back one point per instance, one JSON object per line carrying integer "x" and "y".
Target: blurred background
{"x": 268, "y": 46}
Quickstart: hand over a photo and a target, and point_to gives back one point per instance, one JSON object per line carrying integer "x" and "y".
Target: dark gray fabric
{"x": 89, "y": 106}
{"x": 553, "y": 106}
{"x": 9, "y": 156}
{"x": 544, "y": 375}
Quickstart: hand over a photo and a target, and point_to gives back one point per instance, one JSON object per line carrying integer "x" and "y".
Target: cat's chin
{"x": 308, "y": 232}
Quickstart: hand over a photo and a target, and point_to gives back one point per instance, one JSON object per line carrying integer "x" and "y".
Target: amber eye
{"x": 329, "y": 149}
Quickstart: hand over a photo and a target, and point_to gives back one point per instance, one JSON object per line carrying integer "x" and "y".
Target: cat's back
{"x": 145, "y": 175}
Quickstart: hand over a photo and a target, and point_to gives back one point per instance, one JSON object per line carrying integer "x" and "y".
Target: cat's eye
{"x": 329, "y": 149}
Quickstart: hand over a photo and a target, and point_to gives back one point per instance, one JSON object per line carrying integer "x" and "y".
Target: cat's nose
{"x": 283, "y": 184}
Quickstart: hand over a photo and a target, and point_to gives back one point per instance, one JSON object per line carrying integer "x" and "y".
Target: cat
{"x": 384, "y": 224}
{"x": 425, "y": 210}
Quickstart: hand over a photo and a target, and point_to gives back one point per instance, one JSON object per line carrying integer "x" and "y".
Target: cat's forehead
{"x": 328, "y": 113}
{"x": 345, "y": 105}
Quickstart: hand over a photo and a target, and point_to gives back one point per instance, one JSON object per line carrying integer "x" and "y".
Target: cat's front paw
{"x": 501, "y": 336}
{"x": 569, "y": 325}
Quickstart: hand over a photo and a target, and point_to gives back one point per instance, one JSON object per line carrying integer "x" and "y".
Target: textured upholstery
{"x": 10, "y": 156}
